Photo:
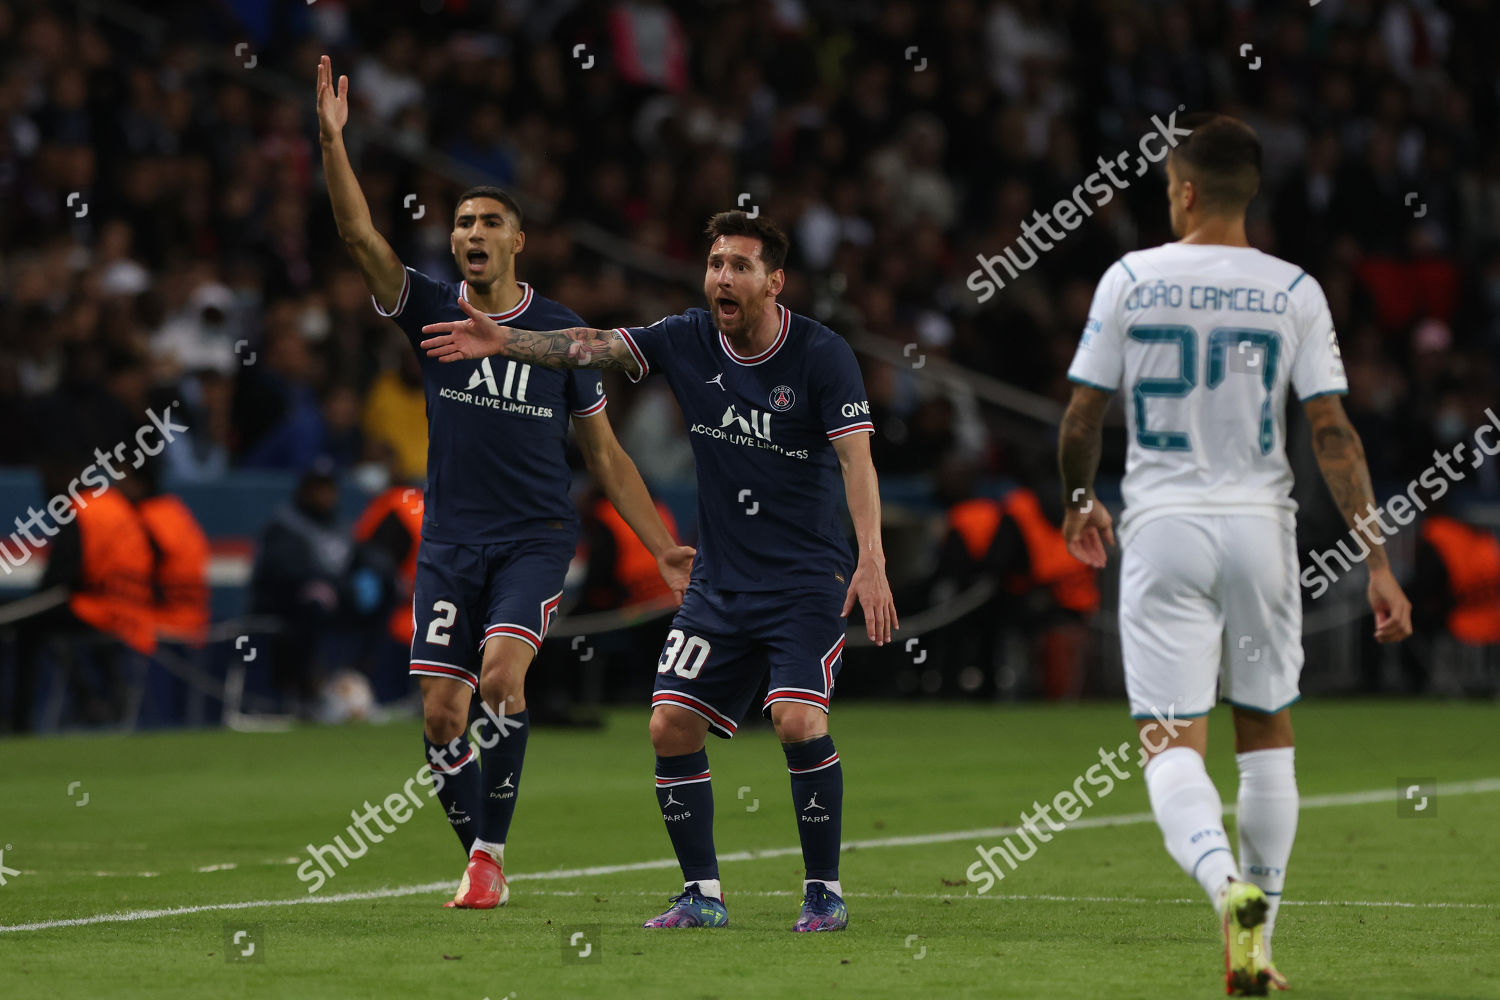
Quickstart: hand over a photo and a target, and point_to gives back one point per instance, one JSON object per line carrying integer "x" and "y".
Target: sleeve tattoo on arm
{"x": 1341, "y": 458}
{"x": 1081, "y": 443}
{"x": 576, "y": 347}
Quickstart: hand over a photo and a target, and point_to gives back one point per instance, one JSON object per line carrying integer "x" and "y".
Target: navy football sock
{"x": 455, "y": 770}
{"x": 502, "y": 750}
{"x": 686, "y": 797}
{"x": 818, "y": 796}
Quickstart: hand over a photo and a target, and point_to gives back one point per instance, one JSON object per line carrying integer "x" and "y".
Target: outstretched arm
{"x": 869, "y": 585}
{"x": 621, "y": 481}
{"x": 479, "y": 336}
{"x": 379, "y": 264}
{"x": 1341, "y": 458}
{"x": 1087, "y": 526}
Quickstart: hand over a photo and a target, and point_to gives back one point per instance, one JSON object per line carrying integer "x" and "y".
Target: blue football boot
{"x": 822, "y": 910}
{"x": 690, "y": 908}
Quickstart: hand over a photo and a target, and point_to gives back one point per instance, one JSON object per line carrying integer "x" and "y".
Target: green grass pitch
{"x": 1378, "y": 904}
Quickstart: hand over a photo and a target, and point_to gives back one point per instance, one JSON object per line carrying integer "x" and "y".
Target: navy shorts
{"x": 723, "y": 643}
{"x": 468, "y": 594}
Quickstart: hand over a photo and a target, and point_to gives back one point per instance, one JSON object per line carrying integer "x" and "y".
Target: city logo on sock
{"x": 457, "y": 816}
{"x": 674, "y": 817}
{"x": 501, "y": 793}
{"x": 812, "y": 804}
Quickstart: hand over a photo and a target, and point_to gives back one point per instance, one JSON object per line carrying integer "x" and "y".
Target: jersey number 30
{"x": 1257, "y": 351}
{"x": 683, "y": 653}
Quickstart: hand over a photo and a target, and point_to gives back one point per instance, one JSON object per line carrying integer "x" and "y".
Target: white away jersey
{"x": 1206, "y": 340}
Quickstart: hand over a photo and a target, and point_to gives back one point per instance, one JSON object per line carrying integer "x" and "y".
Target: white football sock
{"x": 708, "y": 887}
{"x": 1191, "y": 817}
{"x": 496, "y": 851}
{"x": 836, "y": 887}
{"x": 1267, "y": 822}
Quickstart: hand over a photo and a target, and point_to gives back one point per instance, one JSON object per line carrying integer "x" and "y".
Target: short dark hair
{"x": 1222, "y": 158}
{"x": 490, "y": 191}
{"x": 773, "y": 242}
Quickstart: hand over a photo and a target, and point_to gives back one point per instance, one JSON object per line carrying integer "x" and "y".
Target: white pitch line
{"x": 134, "y": 915}
{"x": 1043, "y": 898}
{"x": 227, "y": 866}
{"x": 1088, "y": 822}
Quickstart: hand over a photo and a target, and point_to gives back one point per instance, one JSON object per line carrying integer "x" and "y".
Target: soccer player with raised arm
{"x": 499, "y": 526}
{"x": 776, "y": 410}
{"x": 1207, "y": 336}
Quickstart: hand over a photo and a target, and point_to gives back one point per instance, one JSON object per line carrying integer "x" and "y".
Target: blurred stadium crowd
{"x": 167, "y": 236}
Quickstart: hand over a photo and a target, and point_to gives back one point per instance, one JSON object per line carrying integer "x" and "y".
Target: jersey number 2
{"x": 1264, "y": 347}
{"x": 446, "y": 611}
{"x": 684, "y": 654}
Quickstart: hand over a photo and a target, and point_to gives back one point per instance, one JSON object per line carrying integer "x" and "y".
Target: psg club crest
{"x": 782, "y": 398}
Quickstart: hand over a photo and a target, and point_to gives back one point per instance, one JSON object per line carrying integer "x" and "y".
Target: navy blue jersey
{"x": 770, "y": 493}
{"x": 497, "y": 429}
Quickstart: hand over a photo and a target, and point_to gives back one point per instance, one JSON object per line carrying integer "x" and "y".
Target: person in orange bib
{"x": 1458, "y": 576}
{"x": 181, "y": 577}
{"x": 622, "y": 571}
{"x": 1012, "y": 539}
{"x": 391, "y": 525}
{"x": 101, "y": 562}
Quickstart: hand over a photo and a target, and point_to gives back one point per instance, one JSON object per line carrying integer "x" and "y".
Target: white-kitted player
{"x": 1205, "y": 337}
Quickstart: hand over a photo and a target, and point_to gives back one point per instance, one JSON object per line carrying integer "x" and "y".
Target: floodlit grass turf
{"x": 175, "y": 803}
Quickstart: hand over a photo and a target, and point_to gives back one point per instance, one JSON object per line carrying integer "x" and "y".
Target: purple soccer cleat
{"x": 690, "y": 908}
{"x": 822, "y": 910}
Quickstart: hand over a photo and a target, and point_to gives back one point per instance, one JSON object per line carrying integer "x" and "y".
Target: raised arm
{"x": 1087, "y": 526}
{"x": 379, "y": 264}
{"x": 479, "y": 336}
{"x": 621, "y": 481}
{"x": 869, "y": 584}
{"x": 1341, "y": 459}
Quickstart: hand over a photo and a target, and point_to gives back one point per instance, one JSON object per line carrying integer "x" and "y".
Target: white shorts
{"x": 1206, "y": 601}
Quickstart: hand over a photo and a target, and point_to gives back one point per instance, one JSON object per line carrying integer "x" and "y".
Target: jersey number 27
{"x": 1255, "y": 350}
